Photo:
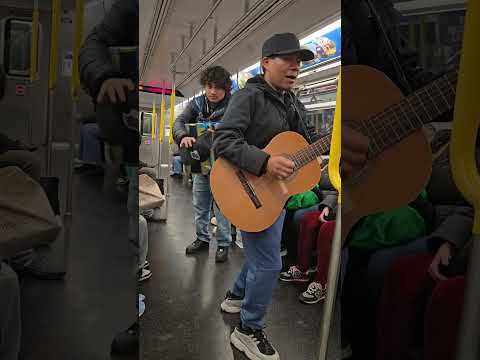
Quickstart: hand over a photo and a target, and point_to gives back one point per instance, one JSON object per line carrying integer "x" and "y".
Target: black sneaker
{"x": 254, "y": 344}
{"x": 314, "y": 293}
{"x": 197, "y": 246}
{"x": 126, "y": 342}
{"x": 232, "y": 303}
{"x": 294, "y": 275}
{"x": 221, "y": 255}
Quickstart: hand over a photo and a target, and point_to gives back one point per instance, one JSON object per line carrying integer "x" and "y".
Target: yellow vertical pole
{"x": 172, "y": 114}
{"x": 466, "y": 174}
{"x": 52, "y": 75}
{"x": 34, "y": 44}
{"x": 162, "y": 119}
{"x": 334, "y": 267}
{"x": 467, "y": 114}
{"x": 154, "y": 119}
{"x": 77, "y": 43}
{"x": 53, "y": 66}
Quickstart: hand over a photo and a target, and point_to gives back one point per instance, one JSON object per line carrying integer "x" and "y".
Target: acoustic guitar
{"x": 400, "y": 159}
{"x": 253, "y": 203}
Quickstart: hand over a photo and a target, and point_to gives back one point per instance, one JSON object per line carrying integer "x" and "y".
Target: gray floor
{"x": 183, "y": 320}
{"x": 77, "y": 318}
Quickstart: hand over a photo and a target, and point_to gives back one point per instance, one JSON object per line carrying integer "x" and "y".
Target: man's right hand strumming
{"x": 280, "y": 167}
{"x": 354, "y": 151}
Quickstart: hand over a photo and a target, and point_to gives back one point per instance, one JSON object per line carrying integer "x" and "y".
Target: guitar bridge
{"x": 249, "y": 189}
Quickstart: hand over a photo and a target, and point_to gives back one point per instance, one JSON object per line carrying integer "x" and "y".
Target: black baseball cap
{"x": 284, "y": 44}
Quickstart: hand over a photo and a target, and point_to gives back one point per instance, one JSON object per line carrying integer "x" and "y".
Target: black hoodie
{"x": 255, "y": 115}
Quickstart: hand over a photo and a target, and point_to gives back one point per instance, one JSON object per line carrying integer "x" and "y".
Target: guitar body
{"x": 398, "y": 174}
{"x": 235, "y": 202}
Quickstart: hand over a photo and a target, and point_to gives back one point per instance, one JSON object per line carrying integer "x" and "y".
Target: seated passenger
{"x": 374, "y": 242}
{"x": 294, "y": 215}
{"x": 314, "y": 228}
{"x": 176, "y": 169}
{"x": 14, "y": 153}
{"x": 433, "y": 277}
{"x": 421, "y": 303}
{"x": 445, "y": 202}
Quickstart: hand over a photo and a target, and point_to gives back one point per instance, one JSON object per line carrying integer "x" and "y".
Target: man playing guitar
{"x": 256, "y": 113}
{"x": 371, "y": 37}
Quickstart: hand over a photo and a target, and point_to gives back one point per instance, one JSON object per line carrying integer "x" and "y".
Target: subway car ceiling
{"x": 231, "y": 36}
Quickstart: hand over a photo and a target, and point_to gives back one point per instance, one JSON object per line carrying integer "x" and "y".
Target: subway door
{"x": 25, "y": 104}
{"x": 25, "y": 110}
{"x": 149, "y": 145}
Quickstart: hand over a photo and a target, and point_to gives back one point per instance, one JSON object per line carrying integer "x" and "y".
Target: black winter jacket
{"x": 118, "y": 28}
{"x": 255, "y": 115}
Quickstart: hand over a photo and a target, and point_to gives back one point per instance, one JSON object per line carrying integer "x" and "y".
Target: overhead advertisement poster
{"x": 325, "y": 43}
{"x": 326, "y": 47}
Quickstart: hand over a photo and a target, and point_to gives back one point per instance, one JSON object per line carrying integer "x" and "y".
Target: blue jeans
{"x": 133, "y": 215}
{"x": 177, "y": 167}
{"x": 90, "y": 144}
{"x": 259, "y": 274}
{"x": 202, "y": 205}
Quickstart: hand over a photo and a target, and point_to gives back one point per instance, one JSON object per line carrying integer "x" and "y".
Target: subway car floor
{"x": 77, "y": 318}
{"x": 183, "y": 320}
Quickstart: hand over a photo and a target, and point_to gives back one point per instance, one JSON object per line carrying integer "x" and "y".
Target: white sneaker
{"x": 141, "y": 305}
{"x": 254, "y": 344}
{"x": 144, "y": 274}
{"x": 231, "y": 304}
{"x": 238, "y": 240}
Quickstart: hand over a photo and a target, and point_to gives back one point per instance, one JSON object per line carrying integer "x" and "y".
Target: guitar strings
{"x": 383, "y": 125}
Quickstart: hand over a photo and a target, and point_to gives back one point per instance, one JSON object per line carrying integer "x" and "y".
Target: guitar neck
{"x": 397, "y": 122}
{"x": 311, "y": 152}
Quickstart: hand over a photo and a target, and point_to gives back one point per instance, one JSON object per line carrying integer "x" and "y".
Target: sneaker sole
{"x": 144, "y": 278}
{"x": 229, "y": 309}
{"x": 302, "y": 300}
{"x": 240, "y": 346}
{"x": 198, "y": 250}
{"x": 295, "y": 280}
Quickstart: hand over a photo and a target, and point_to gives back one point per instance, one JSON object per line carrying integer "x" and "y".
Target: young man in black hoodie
{"x": 107, "y": 84}
{"x": 193, "y": 131}
{"x": 256, "y": 113}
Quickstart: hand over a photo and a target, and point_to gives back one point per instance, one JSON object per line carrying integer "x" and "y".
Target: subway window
{"x": 17, "y": 47}
{"x": 146, "y": 123}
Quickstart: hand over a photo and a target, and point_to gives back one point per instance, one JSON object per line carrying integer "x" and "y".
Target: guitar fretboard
{"x": 310, "y": 153}
{"x": 395, "y": 123}
{"x": 402, "y": 119}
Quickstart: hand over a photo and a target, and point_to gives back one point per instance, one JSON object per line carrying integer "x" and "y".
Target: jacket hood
{"x": 259, "y": 82}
